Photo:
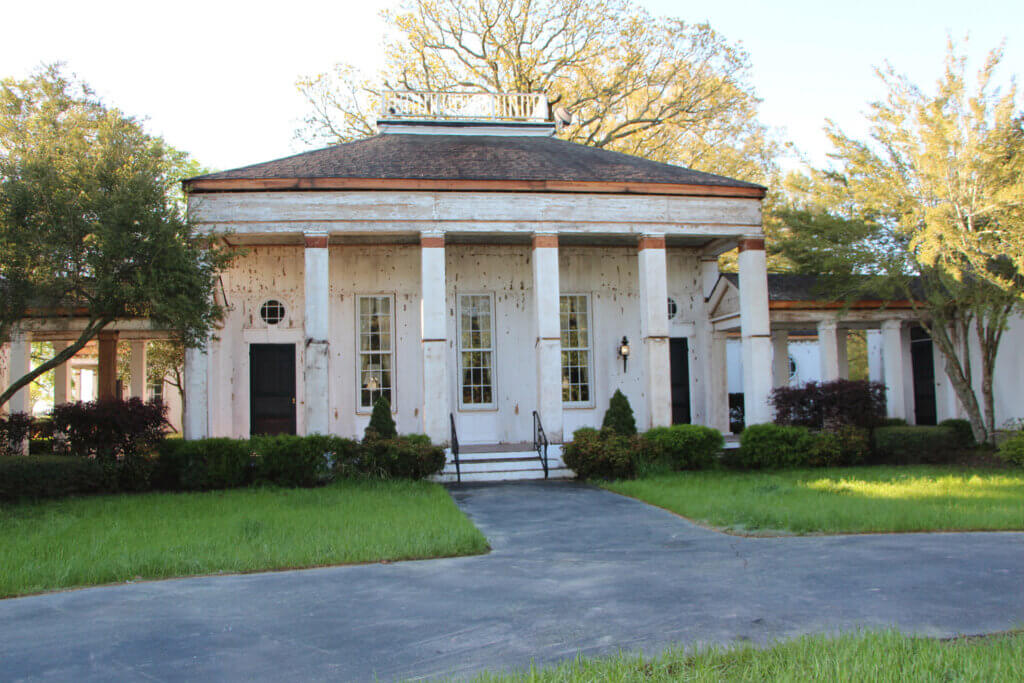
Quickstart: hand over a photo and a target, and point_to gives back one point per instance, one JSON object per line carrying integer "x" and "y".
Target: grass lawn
{"x": 842, "y": 500}
{"x": 105, "y": 539}
{"x": 883, "y": 656}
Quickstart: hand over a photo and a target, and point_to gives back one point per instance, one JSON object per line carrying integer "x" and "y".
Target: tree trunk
{"x": 959, "y": 373}
{"x": 90, "y": 331}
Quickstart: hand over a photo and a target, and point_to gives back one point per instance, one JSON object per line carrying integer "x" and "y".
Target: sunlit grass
{"x": 856, "y": 499}
{"x": 104, "y": 539}
{"x": 886, "y": 656}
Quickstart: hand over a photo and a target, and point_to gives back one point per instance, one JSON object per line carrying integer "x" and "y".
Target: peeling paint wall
{"x": 608, "y": 275}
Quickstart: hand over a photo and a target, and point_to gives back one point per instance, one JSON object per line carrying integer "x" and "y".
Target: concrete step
{"x": 500, "y": 464}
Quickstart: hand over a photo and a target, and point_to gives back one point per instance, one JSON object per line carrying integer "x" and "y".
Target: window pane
{"x": 575, "y": 335}
{"x": 476, "y": 338}
{"x": 375, "y": 346}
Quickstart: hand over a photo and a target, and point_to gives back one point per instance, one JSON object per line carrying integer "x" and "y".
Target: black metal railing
{"x": 540, "y": 442}
{"x": 455, "y": 450}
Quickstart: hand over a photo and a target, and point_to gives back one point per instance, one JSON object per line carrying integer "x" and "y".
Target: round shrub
{"x": 962, "y": 430}
{"x": 683, "y": 447}
{"x": 601, "y": 454}
{"x": 1012, "y": 450}
{"x": 771, "y": 446}
{"x": 410, "y": 456}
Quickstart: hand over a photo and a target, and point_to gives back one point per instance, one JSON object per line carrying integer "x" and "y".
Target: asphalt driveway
{"x": 574, "y": 569}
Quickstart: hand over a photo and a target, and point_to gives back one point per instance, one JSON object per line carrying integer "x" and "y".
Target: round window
{"x": 672, "y": 308}
{"x": 272, "y": 312}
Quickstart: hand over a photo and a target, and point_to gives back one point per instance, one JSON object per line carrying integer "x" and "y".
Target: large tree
{"x": 655, "y": 86}
{"x": 918, "y": 204}
{"x": 91, "y": 219}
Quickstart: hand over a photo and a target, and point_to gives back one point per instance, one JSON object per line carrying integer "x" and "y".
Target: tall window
{"x": 376, "y": 350}
{"x": 575, "y": 322}
{"x": 476, "y": 349}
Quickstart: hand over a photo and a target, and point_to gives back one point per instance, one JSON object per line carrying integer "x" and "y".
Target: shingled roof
{"x": 800, "y": 287}
{"x": 486, "y": 158}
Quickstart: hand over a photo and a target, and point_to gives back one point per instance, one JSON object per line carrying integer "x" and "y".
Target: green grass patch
{"x": 841, "y": 500}
{"x": 885, "y": 656}
{"x": 105, "y": 539}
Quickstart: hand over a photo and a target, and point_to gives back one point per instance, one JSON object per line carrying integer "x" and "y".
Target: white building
{"x": 474, "y": 270}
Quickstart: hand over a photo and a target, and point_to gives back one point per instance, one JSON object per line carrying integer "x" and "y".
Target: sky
{"x": 217, "y": 79}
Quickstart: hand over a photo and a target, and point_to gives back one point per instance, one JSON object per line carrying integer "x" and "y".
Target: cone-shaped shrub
{"x": 619, "y": 416}
{"x": 382, "y": 425}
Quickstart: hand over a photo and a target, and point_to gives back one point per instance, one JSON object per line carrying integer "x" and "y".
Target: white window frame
{"x": 589, "y": 349}
{"x": 360, "y": 408}
{"x": 492, "y": 350}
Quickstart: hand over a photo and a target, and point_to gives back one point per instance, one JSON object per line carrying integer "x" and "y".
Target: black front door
{"x": 923, "y": 365}
{"x": 679, "y": 360}
{"x": 272, "y": 389}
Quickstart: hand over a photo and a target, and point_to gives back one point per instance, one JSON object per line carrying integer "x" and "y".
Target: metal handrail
{"x": 540, "y": 442}
{"x": 455, "y": 449}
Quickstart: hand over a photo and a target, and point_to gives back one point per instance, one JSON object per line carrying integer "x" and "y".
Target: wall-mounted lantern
{"x": 624, "y": 352}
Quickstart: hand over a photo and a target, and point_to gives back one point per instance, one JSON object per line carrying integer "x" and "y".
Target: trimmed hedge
{"x": 604, "y": 454}
{"x": 203, "y": 464}
{"x": 411, "y": 456}
{"x": 963, "y": 431}
{"x": 916, "y": 445}
{"x": 684, "y": 446}
{"x": 772, "y": 446}
{"x": 54, "y": 476}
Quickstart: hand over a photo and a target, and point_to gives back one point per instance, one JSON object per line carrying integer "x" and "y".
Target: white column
{"x": 137, "y": 370}
{"x": 196, "y": 420}
{"x": 874, "y": 350}
{"x": 842, "y": 354}
{"x": 316, "y": 377}
{"x": 653, "y": 272}
{"x": 709, "y": 274}
{"x": 780, "y": 358}
{"x": 434, "y": 337}
{"x": 755, "y": 331}
{"x": 828, "y": 351}
{"x": 20, "y": 363}
{"x": 549, "y": 343}
{"x": 892, "y": 368}
{"x": 718, "y": 384}
{"x": 62, "y": 376}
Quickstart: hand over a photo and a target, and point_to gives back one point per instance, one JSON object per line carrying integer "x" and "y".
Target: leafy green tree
{"x": 91, "y": 219}
{"x": 165, "y": 362}
{"x": 914, "y": 205}
{"x": 637, "y": 83}
{"x": 619, "y": 416}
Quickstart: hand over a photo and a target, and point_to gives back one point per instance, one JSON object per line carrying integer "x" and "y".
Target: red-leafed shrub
{"x": 14, "y": 430}
{"x": 821, "y": 405}
{"x": 109, "y": 428}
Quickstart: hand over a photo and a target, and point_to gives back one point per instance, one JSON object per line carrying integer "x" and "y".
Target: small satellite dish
{"x": 563, "y": 117}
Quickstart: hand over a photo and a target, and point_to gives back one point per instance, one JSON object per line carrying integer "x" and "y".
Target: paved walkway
{"x": 573, "y": 569}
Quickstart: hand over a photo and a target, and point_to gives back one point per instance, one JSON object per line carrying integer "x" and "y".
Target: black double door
{"x": 271, "y": 389}
{"x": 679, "y": 360}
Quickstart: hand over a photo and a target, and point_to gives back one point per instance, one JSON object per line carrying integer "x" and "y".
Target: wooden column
{"x": 20, "y": 363}
{"x": 62, "y": 377}
{"x": 106, "y": 381}
{"x": 137, "y": 370}
{"x": 755, "y": 331}
{"x": 316, "y": 375}
{"x": 780, "y": 358}
{"x": 546, "y": 306}
{"x": 434, "y": 336}
{"x": 653, "y": 273}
